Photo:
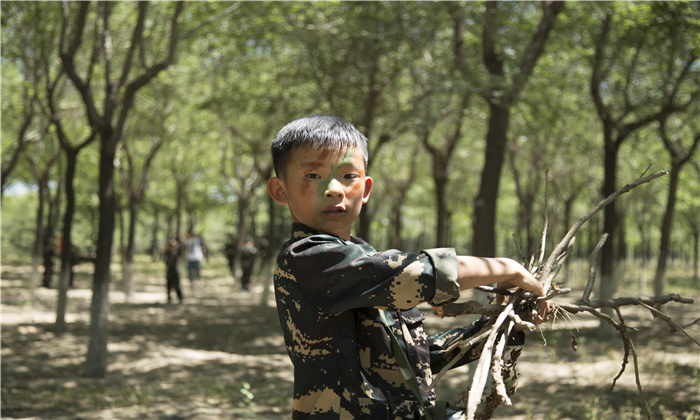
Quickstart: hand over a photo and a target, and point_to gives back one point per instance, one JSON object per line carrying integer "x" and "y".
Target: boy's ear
{"x": 275, "y": 187}
{"x": 368, "y": 188}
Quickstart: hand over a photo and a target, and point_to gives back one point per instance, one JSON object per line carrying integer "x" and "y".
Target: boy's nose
{"x": 334, "y": 189}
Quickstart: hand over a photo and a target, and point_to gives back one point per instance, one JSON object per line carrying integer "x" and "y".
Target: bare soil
{"x": 221, "y": 355}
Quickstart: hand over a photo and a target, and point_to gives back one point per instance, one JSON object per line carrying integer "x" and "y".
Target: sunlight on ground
{"x": 192, "y": 360}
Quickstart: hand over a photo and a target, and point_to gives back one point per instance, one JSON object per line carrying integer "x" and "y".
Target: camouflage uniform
{"x": 329, "y": 293}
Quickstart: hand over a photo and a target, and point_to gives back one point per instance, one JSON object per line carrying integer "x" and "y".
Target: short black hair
{"x": 318, "y": 131}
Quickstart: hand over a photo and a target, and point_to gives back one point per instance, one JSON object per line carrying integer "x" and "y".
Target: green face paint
{"x": 323, "y": 185}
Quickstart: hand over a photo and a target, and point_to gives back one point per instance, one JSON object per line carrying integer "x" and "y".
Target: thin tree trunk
{"x": 484, "y": 225}
{"x": 96, "y": 361}
{"x": 267, "y": 262}
{"x": 696, "y": 257}
{"x": 180, "y": 187}
{"x": 443, "y": 212}
{"x": 39, "y": 238}
{"x": 660, "y": 276}
{"x": 607, "y": 274}
{"x": 243, "y": 209}
{"x": 66, "y": 255}
{"x": 154, "y": 235}
{"x": 128, "y": 265}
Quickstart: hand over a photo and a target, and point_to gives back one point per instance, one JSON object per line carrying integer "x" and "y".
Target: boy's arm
{"x": 476, "y": 271}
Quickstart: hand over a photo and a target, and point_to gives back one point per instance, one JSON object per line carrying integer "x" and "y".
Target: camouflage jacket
{"x": 329, "y": 292}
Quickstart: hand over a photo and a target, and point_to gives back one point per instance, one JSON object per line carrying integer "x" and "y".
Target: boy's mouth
{"x": 334, "y": 211}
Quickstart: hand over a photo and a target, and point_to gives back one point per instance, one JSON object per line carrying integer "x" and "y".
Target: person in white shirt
{"x": 194, "y": 253}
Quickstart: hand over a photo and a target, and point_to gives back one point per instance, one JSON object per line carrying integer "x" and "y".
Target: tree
{"x": 118, "y": 96}
{"x": 22, "y": 48}
{"x": 689, "y": 212}
{"x": 679, "y": 157}
{"x": 42, "y": 159}
{"x": 632, "y": 85}
{"x": 71, "y": 153}
{"x": 357, "y": 54}
{"x": 135, "y": 178}
{"x": 501, "y": 91}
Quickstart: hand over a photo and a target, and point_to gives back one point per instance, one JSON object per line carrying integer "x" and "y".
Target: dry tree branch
{"x": 629, "y": 348}
{"x": 522, "y": 304}
{"x": 560, "y": 249}
{"x": 497, "y": 368}
{"x": 591, "y": 277}
{"x": 481, "y": 373}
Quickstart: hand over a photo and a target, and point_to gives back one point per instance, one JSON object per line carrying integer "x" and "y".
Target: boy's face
{"x": 325, "y": 189}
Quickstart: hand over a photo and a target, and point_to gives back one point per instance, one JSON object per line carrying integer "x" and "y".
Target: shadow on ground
{"x": 221, "y": 355}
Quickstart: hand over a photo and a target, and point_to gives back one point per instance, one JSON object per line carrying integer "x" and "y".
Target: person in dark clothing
{"x": 49, "y": 254}
{"x": 230, "y": 252}
{"x": 172, "y": 254}
{"x": 248, "y": 254}
{"x": 76, "y": 257}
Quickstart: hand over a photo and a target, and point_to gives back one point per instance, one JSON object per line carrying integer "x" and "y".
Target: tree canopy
{"x": 183, "y": 99}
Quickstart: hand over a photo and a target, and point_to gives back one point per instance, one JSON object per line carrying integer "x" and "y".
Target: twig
{"x": 543, "y": 240}
{"x": 628, "y": 348}
{"x": 591, "y": 277}
{"x": 520, "y": 323}
{"x": 520, "y": 251}
{"x": 555, "y": 292}
{"x": 689, "y": 325}
{"x": 567, "y": 238}
{"x": 669, "y": 321}
{"x": 629, "y": 344}
{"x": 495, "y": 290}
{"x": 625, "y": 301}
{"x": 645, "y": 171}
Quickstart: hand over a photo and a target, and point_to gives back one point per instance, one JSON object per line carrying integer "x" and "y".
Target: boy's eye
{"x": 351, "y": 176}
{"x": 313, "y": 176}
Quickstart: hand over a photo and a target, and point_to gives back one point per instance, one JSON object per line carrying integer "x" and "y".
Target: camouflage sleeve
{"x": 444, "y": 261}
{"x": 444, "y": 346}
{"x": 337, "y": 275}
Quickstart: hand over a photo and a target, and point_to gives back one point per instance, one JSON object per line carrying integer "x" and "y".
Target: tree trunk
{"x": 608, "y": 283}
{"x": 96, "y": 361}
{"x": 643, "y": 255}
{"x": 180, "y": 187}
{"x": 66, "y": 255}
{"x": 660, "y": 276}
{"x": 154, "y": 236}
{"x": 443, "y": 212}
{"x": 128, "y": 264}
{"x": 568, "y": 205}
{"x": 398, "y": 226}
{"x": 696, "y": 256}
{"x": 484, "y": 224}
{"x": 243, "y": 209}
{"x": 365, "y": 222}
{"x": 270, "y": 255}
{"x": 39, "y": 238}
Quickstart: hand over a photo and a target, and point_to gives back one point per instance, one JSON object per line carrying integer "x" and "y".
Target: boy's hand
{"x": 543, "y": 310}
{"x": 523, "y": 279}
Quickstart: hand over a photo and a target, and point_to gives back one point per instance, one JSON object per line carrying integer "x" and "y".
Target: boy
{"x": 334, "y": 291}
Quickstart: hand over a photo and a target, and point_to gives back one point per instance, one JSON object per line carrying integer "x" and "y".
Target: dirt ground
{"x": 221, "y": 355}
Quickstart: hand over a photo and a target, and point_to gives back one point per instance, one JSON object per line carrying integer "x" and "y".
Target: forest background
{"x": 125, "y": 123}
